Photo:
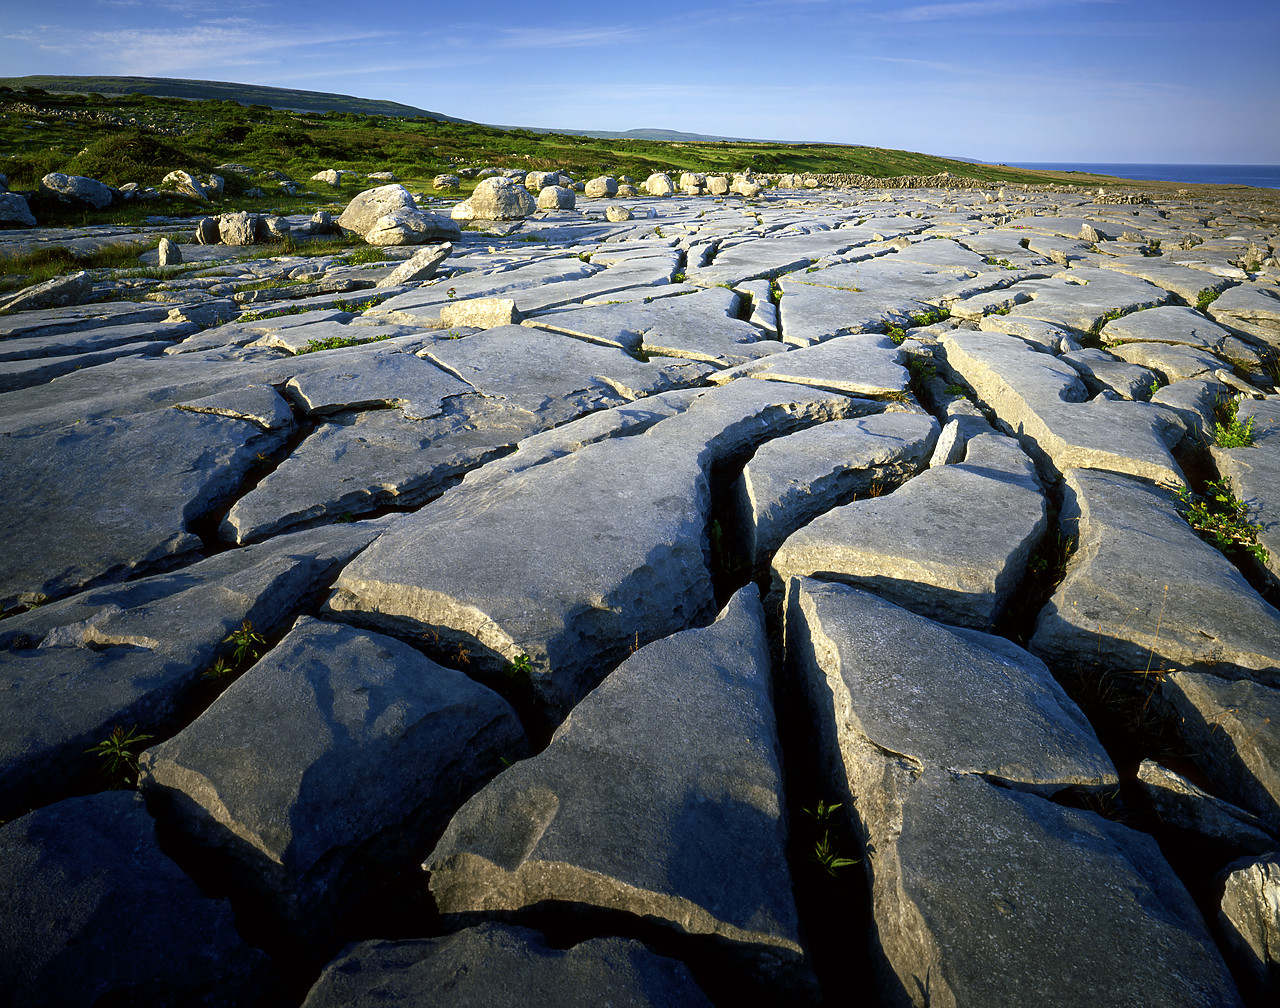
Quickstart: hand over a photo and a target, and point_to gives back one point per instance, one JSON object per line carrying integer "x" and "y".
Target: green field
{"x": 135, "y": 137}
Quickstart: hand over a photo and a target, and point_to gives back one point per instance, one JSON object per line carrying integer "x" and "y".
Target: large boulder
{"x": 186, "y": 184}
{"x": 410, "y": 227}
{"x": 554, "y": 197}
{"x": 496, "y": 199}
{"x": 15, "y": 211}
{"x": 605, "y": 185}
{"x": 76, "y": 190}
{"x": 238, "y": 228}
{"x": 659, "y": 184}
{"x": 369, "y": 206}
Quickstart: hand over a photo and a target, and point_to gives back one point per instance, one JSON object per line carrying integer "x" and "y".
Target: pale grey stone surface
{"x": 982, "y": 893}
{"x": 1181, "y": 804}
{"x": 327, "y": 765}
{"x": 866, "y": 364}
{"x": 952, "y": 543}
{"x": 1104, "y": 372}
{"x": 1172, "y": 362}
{"x": 640, "y": 574}
{"x": 1042, "y": 400}
{"x": 1128, "y": 603}
{"x": 1249, "y": 923}
{"x": 94, "y": 913}
{"x": 676, "y": 751}
{"x": 793, "y": 479}
{"x": 1234, "y": 727}
{"x": 1166, "y": 324}
{"x": 499, "y": 966}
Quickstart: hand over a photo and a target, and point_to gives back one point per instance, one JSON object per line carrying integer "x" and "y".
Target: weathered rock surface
{"x": 95, "y": 913}
{"x": 504, "y": 967}
{"x": 1129, "y": 602}
{"x": 1249, "y": 923}
{"x": 982, "y": 893}
{"x": 369, "y": 743}
{"x": 566, "y": 500}
{"x": 677, "y": 751}
{"x": 952, "y": 543}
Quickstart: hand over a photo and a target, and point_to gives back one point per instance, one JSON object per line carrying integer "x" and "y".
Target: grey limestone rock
{"x": 1181, "y": 804}
{"x": 598, "y": 188}
{"x": 366, "y": 208}
{"x": 1166, "y": 324}
{"x": 1253, "y": 307}
{"x": 133, "y": 654}
{"x": 1142, "y": 591}
{"x": 76, "y": 190}
{"x": 496, "y": 199}
{"x": 237, "y": 228}
{"x": 1253, "y": 472}
{"x": 1234, "y": 729}
{"x": 793, "y": 479}
{"x": 951, "y": 543}
{"x": 328, "y": 764}
{"x": 73, "y": 522}
{"x": 575, "y": 603}
{"x": 556, "y": 197}
{"x": 676, "y": 751}
{"x": 14, "y": 210}
{"x": 420, "y": 266}
{"x": 409, "y": 226}
{"x": 986, "y": 894}
{"x": 56, "y": 293}
{"x": 659, "y": 184}
{"x": 1249, "y": 923}
{"x": 1171, "y": 361}
{"x": 376, "y": 378}
{"x": 1042, "y": 400}
{"x": 1103, "y": 372}
{"x": 170, "y": 253}
{"x": 95, "y": 913}
{"x": 186, "y": 184}
{"x": 499, "y": 966}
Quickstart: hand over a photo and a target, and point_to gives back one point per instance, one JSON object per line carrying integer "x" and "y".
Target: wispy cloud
{"x": 556, "y": 38}
{"x": 975, "y": 9}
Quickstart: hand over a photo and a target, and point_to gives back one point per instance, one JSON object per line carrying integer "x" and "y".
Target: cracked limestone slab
{"x": 1254, "y": 473}
{"x": 75, "y": 520}
{"x": 501, "y": 966}
{"x": 867, "y": 364}
{"x": 354, "y": 463}
{"x": 1173, "y": 362}
{"x": 133, "y": 654}
{"x": 791, "y": 480}
{"x": 770, "y": 257}
{"x": 983, "y": 891}
{"x": 672, "y": 761}
{"x": 1143, "y": 591}
{"x": 95, "y": 912}
{"x": 1040, "y": 399}
{"x": 1233, "y": 728}
{"x": 555, "y": 376}
{"x": 1179, "y": 803}
{"x": 1104, "y": 372}
{"x": 699, "y": 326}
{"x": 20, "y": 374}
{"x": 260, "y": 404}
{"x": 1253, "y": 307}
{"x": 951, "y": 543}
{"x": 1183, "y": 281}
{"x": 377, "y": 378}
{"x": 77, "y": 341}
{"x": 325, "y": 767}
{"x": 573, "y": 560}
{"x": 1167, "y": 324}
{"x": 1083, "y": 297}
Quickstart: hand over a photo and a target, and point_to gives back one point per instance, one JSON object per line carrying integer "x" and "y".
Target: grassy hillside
{"x": 244, "y": 94}
{"x": 139, "y": 138}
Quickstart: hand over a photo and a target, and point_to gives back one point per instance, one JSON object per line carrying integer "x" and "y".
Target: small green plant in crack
{"x": 922, "y": 369}
{"x": 119, "y": 755}
{"x": 1156, "y": 385}
{"x": 520, "y": 667}
{"x": 897, "y": 335}
{"x": 826, "y": 850}
{"x": 245, "y": 643}
{"x": 1110, "y": 316}
{"x": 1049, "y": 561}
{"x": 1228, "y": 430}
{"x": 679, "y": 278}
{"x": 929, "y": 318}
{"x": 956, "y": 389}
{"x": 1221, "y": 518}
{"x": 1206, "y": 297}
{"x": 355, "y": 307}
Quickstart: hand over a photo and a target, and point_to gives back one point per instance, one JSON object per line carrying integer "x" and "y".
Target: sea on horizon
{"x": 1261, "y": 176}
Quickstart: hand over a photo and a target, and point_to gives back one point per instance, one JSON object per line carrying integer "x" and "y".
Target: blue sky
{"x": 998, "y": 80}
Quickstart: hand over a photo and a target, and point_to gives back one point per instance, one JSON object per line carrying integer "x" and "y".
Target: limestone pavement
{"x": 562, "y": 611}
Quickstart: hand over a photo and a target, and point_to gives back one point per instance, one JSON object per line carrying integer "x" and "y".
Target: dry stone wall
{"x": 738, "y": 600}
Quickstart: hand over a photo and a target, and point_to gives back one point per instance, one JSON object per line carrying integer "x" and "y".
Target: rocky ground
{"x": 564, "y": 626}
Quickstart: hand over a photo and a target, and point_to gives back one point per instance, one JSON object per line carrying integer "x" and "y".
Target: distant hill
{"x": 245, "y": 94}
{"x": 640, "y": 134}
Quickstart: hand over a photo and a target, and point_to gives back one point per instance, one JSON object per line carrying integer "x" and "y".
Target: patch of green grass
{"x": 365, "y": 255}
{"x": 339, "y": 342}
{"x": 956, "y": 389}
{"x": 897, "y": 335}
{"x": 1110, "y": 316}
{"x": 1222, "y": 519}
{"x": 1228, "y": 430}
{"x": 1206, "y": 297}
{"x": 40, "y": 265}
{"x": 930, "y": 318}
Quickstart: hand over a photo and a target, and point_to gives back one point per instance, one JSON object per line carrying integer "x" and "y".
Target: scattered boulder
{"x": 410, "y": 227}
{"x": 446, "y": 183}
{"x": 270, "y": 228}
{"x": 207, "y": 231}
{"x": 369, "y": 206}
{"x": 238, "y": 228}
{"x": 604, "y": 186}
{"x": 15, "y": 211}
{"x": 1249, "y": 924}
{"x": 186, "y": 184}
{"x": 617, "y": 213}
{"x": 328, "y": 177}
{"x": 170, "y": 253}
{"x": 555, "y": 197}
{"x": 419, "y": 267}
{"x": 76, "y": 190}
{"x": 496, "y": 199}
{"x": 659, "y": 184}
